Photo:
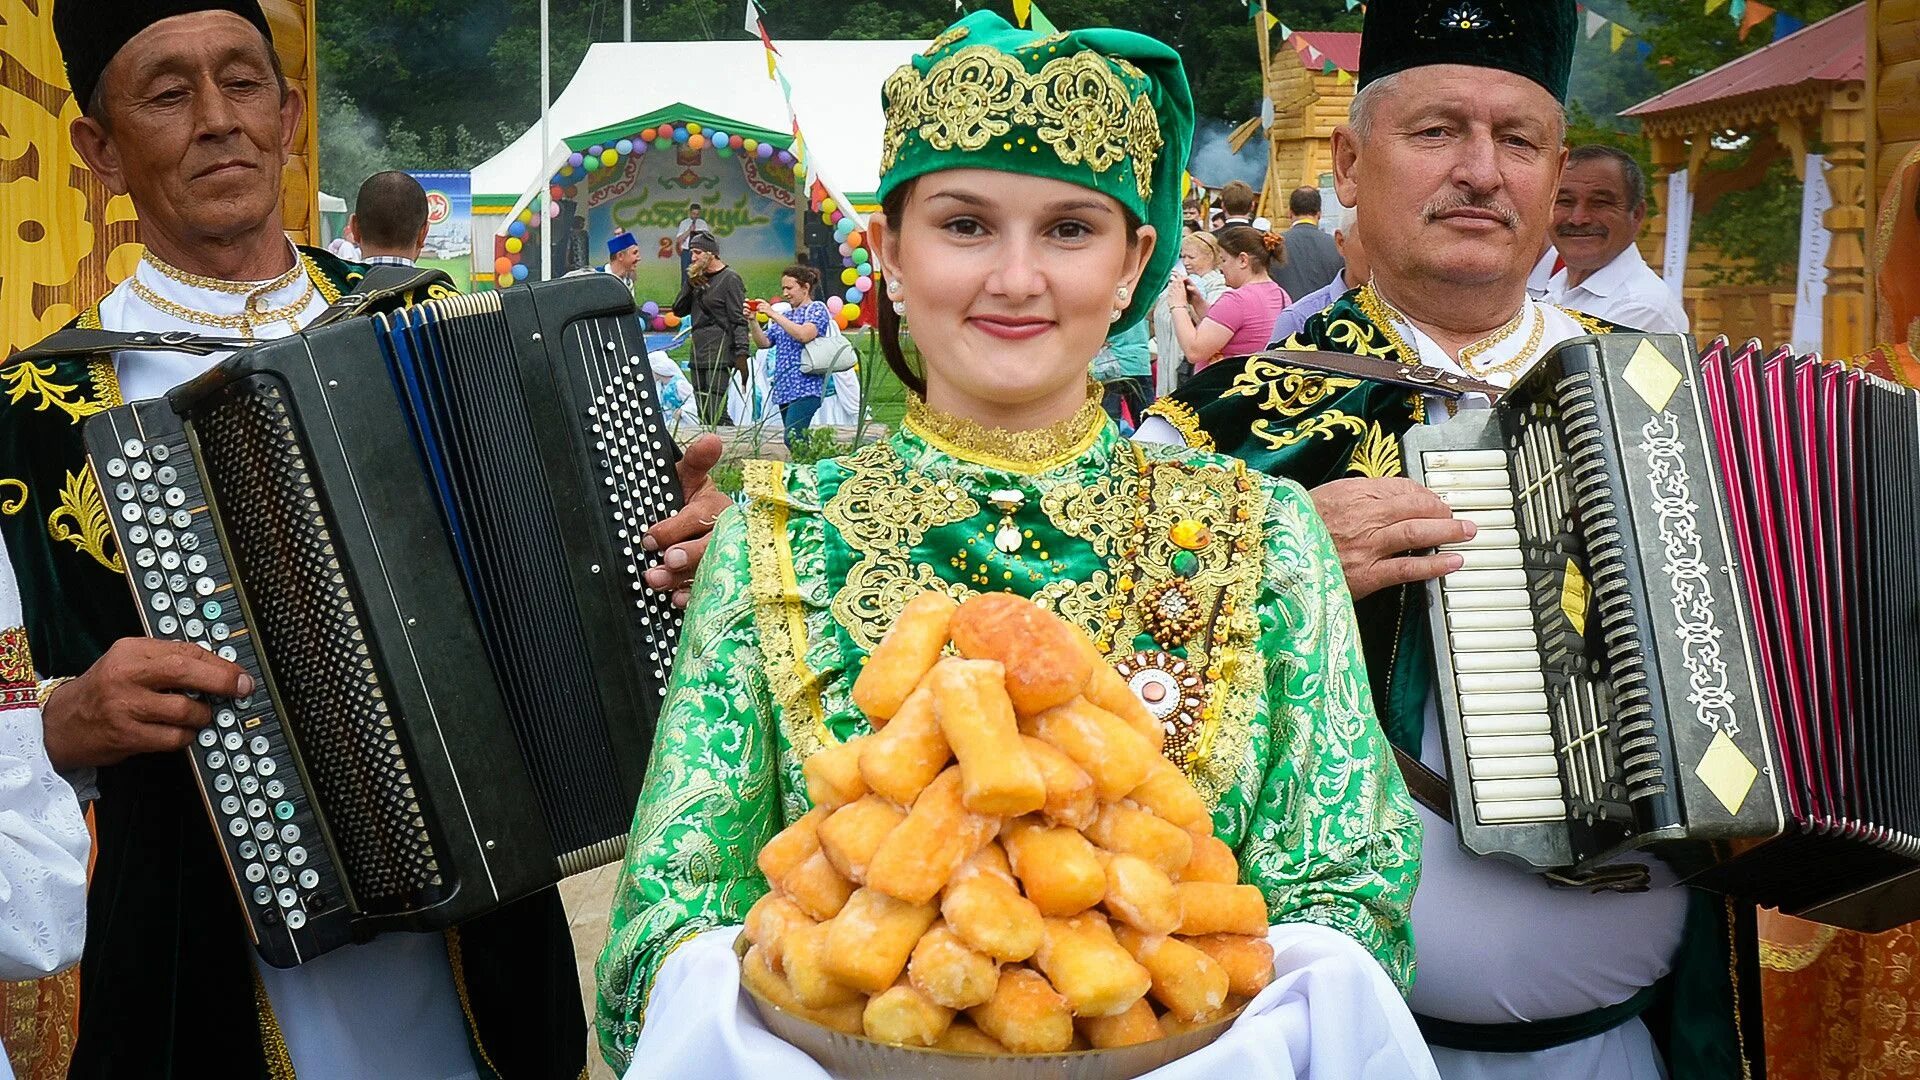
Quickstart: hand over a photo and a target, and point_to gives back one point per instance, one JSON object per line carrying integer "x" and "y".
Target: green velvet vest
{"x": 167, "y": 987}
{"x": 1313, "y": 427}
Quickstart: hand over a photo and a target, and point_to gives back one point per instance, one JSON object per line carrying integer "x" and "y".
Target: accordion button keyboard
{"x": 1494, "y": 648}
{"x": 182, "y": 578}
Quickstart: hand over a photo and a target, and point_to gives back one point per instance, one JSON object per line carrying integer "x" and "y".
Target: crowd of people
{"x": 1021, "y": 266}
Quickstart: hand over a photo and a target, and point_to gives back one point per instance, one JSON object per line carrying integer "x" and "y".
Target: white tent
{"x": 836, "y": 93}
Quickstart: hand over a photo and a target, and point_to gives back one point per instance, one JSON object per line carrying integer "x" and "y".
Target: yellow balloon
{"x": 514, "y": 245}
{"x": 850, "y": 313}
{"x": 828, "y": 206}
{"x": 693, "y": 129}
{"x": 526, "y": 216}
{"x": 609, "y": 157}
{"x": 849, "y": 276}
{"x": 750, "y": 145}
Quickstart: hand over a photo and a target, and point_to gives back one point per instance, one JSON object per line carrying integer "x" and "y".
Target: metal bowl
{"x": 854, "y": 1058}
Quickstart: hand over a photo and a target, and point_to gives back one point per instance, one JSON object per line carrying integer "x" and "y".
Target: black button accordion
{"x": 420, "y": 533}
{"x": 1687, "y": 622}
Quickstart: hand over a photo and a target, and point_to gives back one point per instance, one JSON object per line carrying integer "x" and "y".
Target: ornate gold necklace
{"x": 1469, "y": 354}
{"x": 233, "y": 288}
{"x": 243, "y": 322}
{"x": 1023, "y": 452}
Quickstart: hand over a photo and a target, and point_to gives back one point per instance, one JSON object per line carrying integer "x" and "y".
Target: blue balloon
{"x": 863, "y": 269}
{"x": 625, "y": 146}
{"x": 854, "y": 296}
{"x": 517, "y": 228}
{"x": 519, "y": 271}
{"x": 679, "y": 134}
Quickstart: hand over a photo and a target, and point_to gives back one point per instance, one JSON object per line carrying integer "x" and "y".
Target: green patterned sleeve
{"x": 710, "y": 801}
{"x": 1334, "y": 840}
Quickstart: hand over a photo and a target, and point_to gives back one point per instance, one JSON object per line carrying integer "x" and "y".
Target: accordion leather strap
{"x": 1427, "y": 787}
{"x": 1531, "y": 1037}
{"x": 75, "y": 343}
{"x": 1419, "y": 377}
{"x": 382, "y": 288}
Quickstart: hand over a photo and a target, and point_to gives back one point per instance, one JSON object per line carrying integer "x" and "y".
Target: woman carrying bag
{"x": 795, "y": 392}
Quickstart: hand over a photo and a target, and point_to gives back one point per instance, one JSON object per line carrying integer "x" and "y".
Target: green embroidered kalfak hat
{"x": 1531, "y": 38}
{"x": 1105, "y": 109}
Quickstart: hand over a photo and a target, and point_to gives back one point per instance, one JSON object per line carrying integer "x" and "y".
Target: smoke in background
{"x": 1215, "y": 165}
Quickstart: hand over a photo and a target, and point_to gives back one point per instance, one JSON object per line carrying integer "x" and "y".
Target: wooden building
{"x": 1310, "y": 79}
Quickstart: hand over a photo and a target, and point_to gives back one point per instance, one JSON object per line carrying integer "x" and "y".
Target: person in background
{"x": 1597, "y": 214}
{"x": 717, "y": 299}
{"x": 1353, "y": 274}
{"x": 1239, "y": 322}
{"x": 1200, "y": 263}
{"x": 623, "y": 257}
{"x": 690, "y": 226}
{"x": 1236, "y": 202}
{"x": 578, "y": 255}
{"x": 787, "y": 334}
{"x": 1312, "y": 259}
{"x": 389, "y": 220}
{"x": 1124, "y": 366}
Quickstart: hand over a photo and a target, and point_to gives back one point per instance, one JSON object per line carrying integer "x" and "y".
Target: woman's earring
{"x": 898, "y": 295}
{"x": 1115, "y": 317}
{"x": 1121, "y": 294}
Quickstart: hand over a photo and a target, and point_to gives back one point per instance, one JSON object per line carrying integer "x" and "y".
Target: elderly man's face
{"x": 1457, "y": 174}
{"x": 1593, "y": 216}
{"x": 194, "y": 126}
{"x": 626, "y": 260}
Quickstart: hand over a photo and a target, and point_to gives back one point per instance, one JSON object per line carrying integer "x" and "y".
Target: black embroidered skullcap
{"x": 92, "y": 32}
{"x": 1531, "y": 38}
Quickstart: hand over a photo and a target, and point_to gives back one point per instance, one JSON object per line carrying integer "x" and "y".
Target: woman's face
{"x": 1010, "y": 283}
{"x": 1198, "y": 257}
{"x": 1237, "y": 269}
{"x": 795, "y": 292}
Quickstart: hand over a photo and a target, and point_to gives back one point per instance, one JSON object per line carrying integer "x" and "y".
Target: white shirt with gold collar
{"x": 388, "y": 1007}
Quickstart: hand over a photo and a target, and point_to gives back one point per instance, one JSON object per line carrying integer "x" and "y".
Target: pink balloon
{"x": 846, "y": 252}
{"x": 834, "y": 304}
{"x": 864, "y": 283}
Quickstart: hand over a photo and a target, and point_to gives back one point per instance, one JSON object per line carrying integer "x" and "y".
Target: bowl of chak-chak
{"x": 1006, "y": 878}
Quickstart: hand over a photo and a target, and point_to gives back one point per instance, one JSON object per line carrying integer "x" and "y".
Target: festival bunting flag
{"x": 1755, "y": 14}
{"x": 1594, "y": 22}
{"x": 1715, "y": 5}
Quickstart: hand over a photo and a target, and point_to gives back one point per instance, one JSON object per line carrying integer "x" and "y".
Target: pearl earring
{"x": 1115, "y": 317}
{"x": 897, "y": 294}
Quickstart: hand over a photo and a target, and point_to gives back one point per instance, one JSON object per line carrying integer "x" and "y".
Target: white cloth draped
{"x": 1331, "y": 1014}
{"x": 43, "y": 842}
{"x": 388, "y": 1007}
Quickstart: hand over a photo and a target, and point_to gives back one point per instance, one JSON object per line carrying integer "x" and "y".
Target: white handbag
{"x": 828, "y": 353}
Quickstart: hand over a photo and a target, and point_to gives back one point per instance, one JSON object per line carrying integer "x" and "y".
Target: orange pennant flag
{"x": 1757, "y": 13}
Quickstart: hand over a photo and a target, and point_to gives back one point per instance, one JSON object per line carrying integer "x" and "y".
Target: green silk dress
{"x": 1220, "y": 584}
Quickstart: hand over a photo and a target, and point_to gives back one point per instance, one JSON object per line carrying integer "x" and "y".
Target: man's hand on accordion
{"x": 133, "y": 700}
{"x": 684, "y": 535}
{"x": 1376, "y": 522}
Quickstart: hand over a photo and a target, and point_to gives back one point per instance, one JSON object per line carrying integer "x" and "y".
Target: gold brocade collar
{"x": 1024, "y": 452}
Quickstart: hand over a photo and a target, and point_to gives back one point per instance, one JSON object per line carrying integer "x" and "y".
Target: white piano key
{"x": 1516, "y": 813}
{"x": 1494, "y": 746}
{"x": 1516, "y": 660}
{"x": 1488, "y": 519}
{"x": 1477, "y": 498}
{"x": 1464, "y": 459}
{"x": 1507, "y": 723}
{"x": 1488, "y": 538}
{"x": 1493, "y": 640}
{"x": 1484, "y": 579}
{"x": 1490, "y": 559}
{"x": 1495, "y": 704}
{"x": 1524, "y": 790}
{"x": 1502, "y": 682}
{"x": 1490, "y": 619}
{"x": 1465, "y": 480}
{"x": 1464, "y": 599}
{"x": 1514, "y": 768}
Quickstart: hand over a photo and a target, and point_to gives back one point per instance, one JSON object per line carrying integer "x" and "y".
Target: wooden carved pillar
{"x": 1844, "y": 126}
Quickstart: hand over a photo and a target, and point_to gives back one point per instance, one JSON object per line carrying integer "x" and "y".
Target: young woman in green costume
{"x": 1028, "y": 182}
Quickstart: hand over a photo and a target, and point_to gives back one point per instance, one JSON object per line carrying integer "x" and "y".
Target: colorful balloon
{"x": 850, "y": 314}
{"x": 574, "y": 159}
{"x": 609, "y": 158}
{"x": 681, "y": 135}
{"x": 695, "y": 142}
{"x": 764, "y": 151}
{"x": 848, "y": 277}
{"x": 662, "y": 142}
{"x": 513, "y": 245}
{"x": 503, "y": 267}
{"x": 516, "y": 228}
{"x": 854, "y": 296}
{"x": 855, "y": 238}
{"x": 751, "y": 146}
{"x": 860, "y": 255}
{"x": 718, "y": 138}
{"x": 520, "y": 272}
{"x": 834, "y": 304}
{"x": 845, "y": 251}
{"x": 647, "y": 134}
{"x": 864, "y": 283}
{"x": 693, "y": 129}
{"x": 659, "y": 323}
{"x": 591, "y": 164}
{"x": 625, "y": 146}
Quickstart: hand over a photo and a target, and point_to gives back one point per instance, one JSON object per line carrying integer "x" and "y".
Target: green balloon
{"x": 860, "y": 255}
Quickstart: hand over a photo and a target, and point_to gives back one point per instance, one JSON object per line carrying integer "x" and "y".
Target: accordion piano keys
{"x": 1494, "y": 646}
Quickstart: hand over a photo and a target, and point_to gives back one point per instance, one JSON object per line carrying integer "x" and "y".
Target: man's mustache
{"x": 1571, "y": 231}
{"x": 1447, "y": 204}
